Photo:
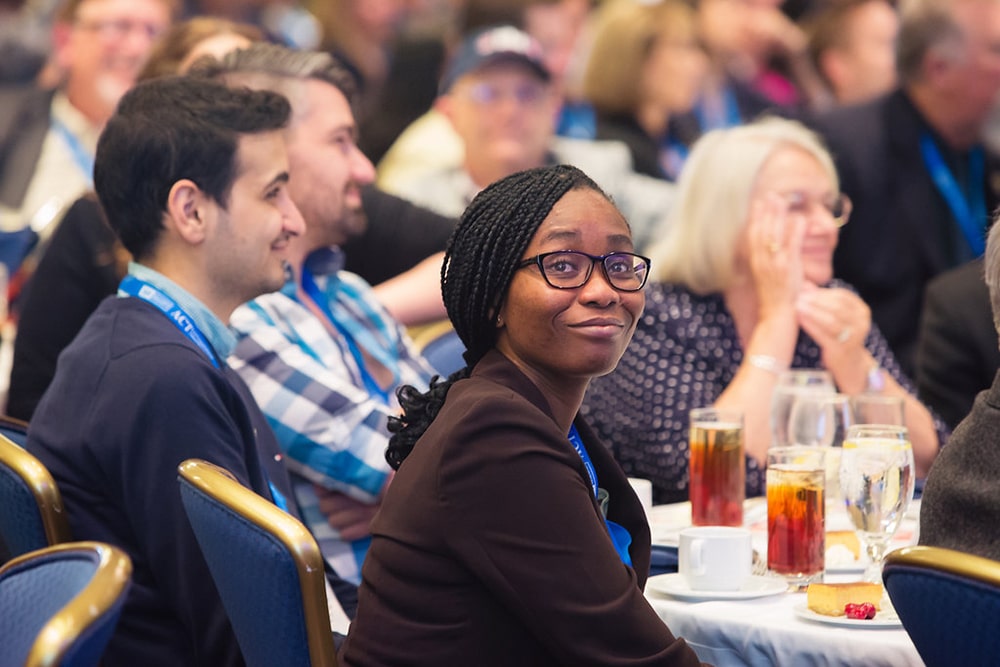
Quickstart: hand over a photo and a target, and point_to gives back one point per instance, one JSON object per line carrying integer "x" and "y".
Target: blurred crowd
{"x": 812, "y": 181}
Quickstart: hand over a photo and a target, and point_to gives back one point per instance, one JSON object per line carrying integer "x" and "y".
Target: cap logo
{"x": 507, "y": 40}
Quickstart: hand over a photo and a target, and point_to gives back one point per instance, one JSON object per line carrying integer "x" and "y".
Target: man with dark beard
{"x": 322, "y": 357}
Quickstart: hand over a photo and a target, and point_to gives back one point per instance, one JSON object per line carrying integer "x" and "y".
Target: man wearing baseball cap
{"x": 498, "y": 96}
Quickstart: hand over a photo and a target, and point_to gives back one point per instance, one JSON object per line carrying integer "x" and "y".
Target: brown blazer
{"x": 490, "y": 549}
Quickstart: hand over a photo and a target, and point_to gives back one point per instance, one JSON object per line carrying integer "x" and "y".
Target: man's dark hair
{"x": 170, "y": 129}
{"x": 482, "y": 257}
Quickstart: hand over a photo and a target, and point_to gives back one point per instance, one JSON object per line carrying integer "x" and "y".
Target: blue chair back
{"x": 59, "y": 605}
{"x": 15, "y": 429}
{"x": 267, "y": 567}
{"x": 663, "y": 560}
{"x": 949, "y": 603}
{"x": 31, "y": 509}
{"x": 440, "y": 346}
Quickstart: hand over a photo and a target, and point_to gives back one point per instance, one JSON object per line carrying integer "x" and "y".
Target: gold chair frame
{"x": 947, "y": 560}
{"x": 109, "y": 582}
{"x": 218, "y": 483}
{"x": 43, "y": 487}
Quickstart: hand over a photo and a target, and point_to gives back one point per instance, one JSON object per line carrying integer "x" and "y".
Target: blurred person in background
{"x": 852, "y": 44}
{"x": 24, "y": 41}
{"x": 914, "y": 164}
{"x": 646, "y": 66}
{"x": 742, "y": 290}
{"x": 48, "y": 136}
{"x": 957, "y": 352}
{"x": 499, "y": 97}
{"x": 361, "y": 34}
{"x": 557, "y": 25}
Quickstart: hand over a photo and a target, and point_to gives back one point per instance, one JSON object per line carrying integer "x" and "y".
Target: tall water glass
{"x": 796, "y": 513}
{"x": 717, "y": 467}
{"x": 791, "y": 385}
{"x": 878, "y": 409}
{"x": 876, "y": 480}
{"x": 822, "y": 420}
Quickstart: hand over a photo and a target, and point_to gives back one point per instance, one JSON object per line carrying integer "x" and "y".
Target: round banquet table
{"x": 766, "y": 631}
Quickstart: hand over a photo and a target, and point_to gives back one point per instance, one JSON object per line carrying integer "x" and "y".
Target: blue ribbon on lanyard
{"x": 132, "y": 286}
{"x": 969, "y": 211}
{"x": 620, "y": 537}
{"x": 140, "y": 289}
{"x": 312, "y": 289}
{"x": 81, "y": 156}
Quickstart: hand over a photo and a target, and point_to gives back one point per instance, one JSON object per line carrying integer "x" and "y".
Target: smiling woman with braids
{"x": 509, "y": 535}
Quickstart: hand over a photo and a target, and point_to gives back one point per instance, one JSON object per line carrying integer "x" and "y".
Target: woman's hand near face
{"x": 768, "y": 327}
{"x": 839, "y": 321}
{"x": 775, "y": 254}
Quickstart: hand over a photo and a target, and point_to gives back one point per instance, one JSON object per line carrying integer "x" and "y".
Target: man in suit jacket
{"x": 957, "y": 352}
{"x": 914, "y": 166}
{"x": 960, "y": 508}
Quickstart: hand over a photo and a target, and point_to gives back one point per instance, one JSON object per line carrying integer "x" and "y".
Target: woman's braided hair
{"x": 482, "y": 256}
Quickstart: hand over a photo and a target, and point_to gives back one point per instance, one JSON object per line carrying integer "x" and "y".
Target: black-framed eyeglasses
{"x": 569, "y": 269}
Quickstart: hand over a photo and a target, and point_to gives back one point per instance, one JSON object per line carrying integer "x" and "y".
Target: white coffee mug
{"x": 715, "y": 558}
{"x": 644, "y": 489}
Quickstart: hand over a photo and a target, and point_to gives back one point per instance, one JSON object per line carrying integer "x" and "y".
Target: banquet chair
{"x": 662, "y": 560}
{"x": 59, "y": 605}
{"x": 440, "y": 346}
{"x": 266, "y": 565}
{"x": 15, "y": 429}
{"x": 31, "y": 510}
{"x": 948, "y": 602}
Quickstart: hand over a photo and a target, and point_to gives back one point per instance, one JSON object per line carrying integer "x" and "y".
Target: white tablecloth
{"x": 766, "y": 631}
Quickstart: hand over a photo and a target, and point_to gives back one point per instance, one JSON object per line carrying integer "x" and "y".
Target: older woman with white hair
{"x": 743, "y": 288}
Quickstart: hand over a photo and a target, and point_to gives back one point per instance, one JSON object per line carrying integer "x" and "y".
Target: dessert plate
{"x": 675, "y": 585}
{"x": 884, "y": 619}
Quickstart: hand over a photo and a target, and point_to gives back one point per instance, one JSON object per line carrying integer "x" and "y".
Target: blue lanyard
{"x": 620, "y": 538}
{"x": 712, "y": 117}
{"x": 969, "y": 212}
{"x": 82, "y": 157}
{"x": 312, "y": 289}
{"x": 132, "y": 286}
{"x": 577, "y": 442}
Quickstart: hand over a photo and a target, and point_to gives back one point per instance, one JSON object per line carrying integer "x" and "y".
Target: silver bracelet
{"x": 766, "y": 362}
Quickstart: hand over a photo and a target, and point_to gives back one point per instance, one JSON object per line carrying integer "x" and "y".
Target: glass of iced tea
{"x": 717, "y": 470}
{"x": 796, "y": 513}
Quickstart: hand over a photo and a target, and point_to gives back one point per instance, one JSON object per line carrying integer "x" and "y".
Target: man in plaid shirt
{"x": 322, "y": 357}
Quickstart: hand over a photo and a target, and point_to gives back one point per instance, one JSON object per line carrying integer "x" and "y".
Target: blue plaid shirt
{"x": 312, "y": 391}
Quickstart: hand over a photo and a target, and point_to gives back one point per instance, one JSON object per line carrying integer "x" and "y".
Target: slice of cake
{"x": 830, "y": 599}
{"x": 846, "y": 538}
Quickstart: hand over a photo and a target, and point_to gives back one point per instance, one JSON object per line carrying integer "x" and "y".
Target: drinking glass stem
{"x": 875, "y": 547}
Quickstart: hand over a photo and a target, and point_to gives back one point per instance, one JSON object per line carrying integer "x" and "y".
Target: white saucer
{"x": 886, "y": 618}
{"x": 675, "y": 585}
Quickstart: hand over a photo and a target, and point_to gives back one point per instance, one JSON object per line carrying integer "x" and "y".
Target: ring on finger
{"x": 844, "y": 334}
{"x": 773, "y": 247}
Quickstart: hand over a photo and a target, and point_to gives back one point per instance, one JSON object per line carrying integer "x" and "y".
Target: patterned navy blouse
{"x": 684, "y": 354}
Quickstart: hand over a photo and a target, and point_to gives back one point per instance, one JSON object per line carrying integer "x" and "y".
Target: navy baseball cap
{"x": 493, "y": 45}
